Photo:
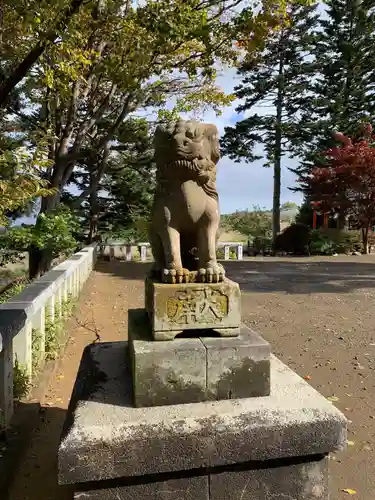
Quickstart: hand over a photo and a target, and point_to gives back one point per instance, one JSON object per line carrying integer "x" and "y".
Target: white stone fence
{"x": 41, "y": 301}
{"x": 126, "y": 251}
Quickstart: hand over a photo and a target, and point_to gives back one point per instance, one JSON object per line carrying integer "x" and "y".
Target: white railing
{"x": 126, "y": 251}
{"x": 41, "y": 301}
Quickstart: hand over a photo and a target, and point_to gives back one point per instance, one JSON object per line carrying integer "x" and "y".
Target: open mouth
{"x": 189, "y": 164}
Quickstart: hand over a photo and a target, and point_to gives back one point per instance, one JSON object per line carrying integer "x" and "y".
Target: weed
{"x": 53, "y": 331}
{"x": 68, "y": 305}
{"x": 12, "y": 291}
{"x": 36, "y": 341}
{"x": 21, "y": 381}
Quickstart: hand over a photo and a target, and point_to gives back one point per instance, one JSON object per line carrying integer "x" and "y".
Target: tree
{"x": 20, "y": 182}
{"x": 347, "y": 181}
{"x": 289, "y": 205}
{"x": 116, "y": 58}
{"x": 276, "y": 79}
{"x": 26, "y": 22}
{"x": 252, "y": 224}
{"x": 125, "y": 191}
{"x": 341, "y": 92}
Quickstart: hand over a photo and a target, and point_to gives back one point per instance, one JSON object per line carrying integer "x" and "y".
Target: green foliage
{"x": 289, "y": 205}
{"x": 341, "y": 92}
{"x": 262, "y": 244}
{"x": 10, "y": 292}
{"x": 53, "y": 336}
{"x": 21, "y": 381}
{"x": 36, "y": 337}
{"x": 331, "y": 241}
{"x": 294, "y": 239}
{"x": 220, "y": 253}
{"x": 54, "y": 232}
{"x": 20, "y": 182}
{"x": 321, "y": 243}
{"x": 67, "y": 306}
{"x": 276, "y": 79}
{"x": 257, "y": 223}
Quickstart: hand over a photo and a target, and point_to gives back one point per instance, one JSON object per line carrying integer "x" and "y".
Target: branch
{"x": 70, "y": 120}
{"x": 22, "y": 69}
{"x": 86, "y": 126}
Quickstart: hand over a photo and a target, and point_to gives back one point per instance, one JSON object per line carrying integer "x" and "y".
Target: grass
{"x": 21, "y": 381}
{"x": 53, "y": 342}
{"x": 36, "y": 349}
{"x": 13, "y": 290}
{"x": 54, "y": 329}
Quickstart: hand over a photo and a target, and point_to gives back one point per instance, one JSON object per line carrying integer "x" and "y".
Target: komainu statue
{"x": 185, "y": 215}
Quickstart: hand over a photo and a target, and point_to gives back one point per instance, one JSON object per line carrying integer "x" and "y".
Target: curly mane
{"x": 197, "y": 162}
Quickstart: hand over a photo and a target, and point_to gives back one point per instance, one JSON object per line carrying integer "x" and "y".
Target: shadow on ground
{"x": 39, "y": 472}
{"x": 294, "y": 275}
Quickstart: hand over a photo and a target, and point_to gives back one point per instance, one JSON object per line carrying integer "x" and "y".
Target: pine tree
{"x": 276, "y": 80}
{"x": 342, "y": 91}
{"x": 112, "y": 202}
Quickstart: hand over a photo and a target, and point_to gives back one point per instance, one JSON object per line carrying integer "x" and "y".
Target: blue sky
{"x": 243, "y": 185}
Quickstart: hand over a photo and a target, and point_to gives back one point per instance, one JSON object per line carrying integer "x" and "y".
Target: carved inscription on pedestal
{"x": 202, "y": 305}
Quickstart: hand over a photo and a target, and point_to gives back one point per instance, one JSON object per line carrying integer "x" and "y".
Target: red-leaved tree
{"x": 346, "y": 182}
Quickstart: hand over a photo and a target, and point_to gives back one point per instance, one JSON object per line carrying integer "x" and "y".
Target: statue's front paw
{"x": 213, "y": 272}
{"x": 174, "y": 276}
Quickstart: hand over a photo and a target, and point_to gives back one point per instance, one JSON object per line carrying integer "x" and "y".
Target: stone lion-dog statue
{"x": 185, "y": 215}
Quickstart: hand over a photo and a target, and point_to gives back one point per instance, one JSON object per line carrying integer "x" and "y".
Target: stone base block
{"x": 185, "y": 488}
{"x": 189, "y": 370}
{"x": 164, "y": 373}
{"x": 291, "y": 480}
{"x": 299, "y": 480}
{"x": 237, "y": 367}
{"x": 107, "y": 443}
{"x": 178, "y": 308}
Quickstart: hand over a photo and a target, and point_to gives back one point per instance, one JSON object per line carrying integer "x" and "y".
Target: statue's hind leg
{"x": 158, "y": 254}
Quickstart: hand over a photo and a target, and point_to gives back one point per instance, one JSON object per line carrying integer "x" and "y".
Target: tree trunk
{"x": 365, "y": 239}
{"x": 94, "y": 214}
{"x": 278, "y": 152}
{"x": 40, "y": 259}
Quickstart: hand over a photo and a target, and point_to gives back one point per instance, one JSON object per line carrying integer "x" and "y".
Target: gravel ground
{"x": 317, "y": 314}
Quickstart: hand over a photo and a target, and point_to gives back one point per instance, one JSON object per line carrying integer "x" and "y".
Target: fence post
{"x": 22, "y": 348}
{"x": 128, "y": 252}
{"x": 38, "y": 322}
{"x": 240, "y": 251}
{"x": 226, "y": 252}
{"x": 6, "y": 382}
{"x": 143, "y": 253}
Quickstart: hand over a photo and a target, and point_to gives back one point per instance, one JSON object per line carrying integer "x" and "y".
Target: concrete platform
{"x": 190, "y": 370}
{"x": 107, "y": 439}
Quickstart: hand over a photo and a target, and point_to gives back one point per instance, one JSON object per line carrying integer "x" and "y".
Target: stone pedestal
{"x": 252, "y": 448}
{"x": 178, "y": 308}
{"x": 189, "y": 370}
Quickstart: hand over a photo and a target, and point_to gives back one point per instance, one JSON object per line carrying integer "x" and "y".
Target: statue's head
{"x": 188, "y": 145}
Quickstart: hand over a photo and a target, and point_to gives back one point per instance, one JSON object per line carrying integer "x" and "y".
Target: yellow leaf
{"x": 60, "y": 377}
{"x": 349, "y": 491}
{"x": 307, "y": 377}
{"x": 350, "y": 443}
{"x": 333, "y": 399}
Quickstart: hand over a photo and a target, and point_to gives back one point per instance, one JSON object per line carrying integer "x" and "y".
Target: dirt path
{"x": 102, "y": 315}
{"x": 318, "y": 316}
